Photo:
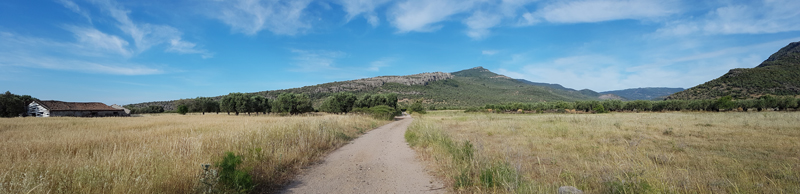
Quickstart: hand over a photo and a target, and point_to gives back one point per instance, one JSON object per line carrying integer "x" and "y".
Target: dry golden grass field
{"x": 675, "y": 152}
{"x": 163, "y": 153}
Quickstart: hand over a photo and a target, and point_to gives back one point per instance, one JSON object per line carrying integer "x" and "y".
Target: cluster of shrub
{"x": 726, "y": 103}
{"x": 148, "y": 109}
{"x": 12, "y": 105}
{"x": 382, "y": 106}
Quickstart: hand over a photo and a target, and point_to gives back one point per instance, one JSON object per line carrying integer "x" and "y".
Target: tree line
{"x": 726, "y": 103}
{"x": 382, "y": 106}
{"x": 239, "y": 103}
{"x": 12, "y": 105}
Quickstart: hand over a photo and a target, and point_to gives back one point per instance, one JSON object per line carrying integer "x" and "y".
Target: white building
{"x": 52, "y": 108}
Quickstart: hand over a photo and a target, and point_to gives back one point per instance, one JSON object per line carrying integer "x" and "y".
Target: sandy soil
{"x": 380, "y": 161}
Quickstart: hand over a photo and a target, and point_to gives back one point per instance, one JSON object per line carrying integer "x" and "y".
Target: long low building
{"x": 52, "y": 108}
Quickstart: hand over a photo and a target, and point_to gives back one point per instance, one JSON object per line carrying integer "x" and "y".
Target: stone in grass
{"x": 569, "y": 190}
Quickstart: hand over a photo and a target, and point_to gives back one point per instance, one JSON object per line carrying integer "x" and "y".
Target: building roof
{"x": 53, "y": 105}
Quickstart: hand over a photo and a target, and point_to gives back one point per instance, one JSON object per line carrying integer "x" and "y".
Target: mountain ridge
{"x": 778, "y": 75}
{"x": 470, "y": 87}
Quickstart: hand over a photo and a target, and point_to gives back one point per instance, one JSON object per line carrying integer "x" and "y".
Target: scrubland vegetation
{"x": 165, "y": 153}
{"x": 675, "y": 152}
{"x": 726, "y": 103}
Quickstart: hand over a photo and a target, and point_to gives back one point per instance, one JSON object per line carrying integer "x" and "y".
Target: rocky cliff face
{"x": 366, "y": 83}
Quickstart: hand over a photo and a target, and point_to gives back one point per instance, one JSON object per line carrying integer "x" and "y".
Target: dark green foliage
{"x": 243, "y": 103}
{"x": 259, "y": 104}
{"x": 371, "y": 100}
{"x": 145, "y": 110}
{"x": 778, "y": 75}
{"x": 232, "y": 176}
{"x": 183, "y": 109}
{"x": 12, "y": 105}
{"x": 639, "y": 105}
{"x": 766, "y": 101}
{"x": 725, "y": 103}
{"x": 292, "y": 103}
{"x": 612, "y": 105}
{"x": 380, "y": 112}
{"x": 417, "y": 107}
{"x": 746, "y": 104}
{"x": 600, "y": 109}
{"x": 342, "y": 102}
{"x": 206, "y": 104}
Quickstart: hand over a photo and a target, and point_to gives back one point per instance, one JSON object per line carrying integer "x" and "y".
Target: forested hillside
{"x": 778, "y": 75}
{"x": 466, "y": 88}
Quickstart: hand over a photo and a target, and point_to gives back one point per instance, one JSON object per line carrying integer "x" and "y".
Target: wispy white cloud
{"x": 587, "y": 11}
{"x": 377, "y": 65}
{"x": 146, "y": 35}
{"x": 93, "y": 40}
{"x": 283, "y": 17}
{"x": 354, "y": 8}
{"x": 752, "y": 17}
{"x": 489, "y": 52}
{"x": 179, "y": 46}
{"x": 72, "y": 6}
{"x": 422, "y": 15}
{"x": 480, "y": 22}
{"x": 90, "y": 54}
{"x": 315, "y": 60}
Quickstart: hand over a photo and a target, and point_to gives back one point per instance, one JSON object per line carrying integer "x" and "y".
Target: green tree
{"x": 292, "y": 103}
{"x": 417, "y": 107}
{"x": 227, "y": 104}
{"x": 599, "y": 109}
{"x": 613, "y": 105}
{"x": 639, "y": 105}
{"x": 725, "y": 103}
{"x": 767, "y": 101}
{"x": 342, "y": 102}
{"x": 12, "y": 105}
{"x": 183, "y": 109}
{"x": 260, "y": 104}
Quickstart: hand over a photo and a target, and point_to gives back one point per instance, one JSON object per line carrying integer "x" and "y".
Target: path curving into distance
{"x": 379, "y": 161}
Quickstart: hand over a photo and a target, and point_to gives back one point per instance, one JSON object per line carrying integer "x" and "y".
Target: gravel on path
{"x": 379, "y": 161}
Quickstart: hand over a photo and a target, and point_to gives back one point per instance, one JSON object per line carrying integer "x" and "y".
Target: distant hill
{"x": 554, "y": 86}
{"x": 657, "y": 93}
{"x": 611, "y": 97}
{"x": 586, "y": 92}
{"x": 627, "y": 94}
{"x": 778, "y": 75}
{"x": 471, "y": 87}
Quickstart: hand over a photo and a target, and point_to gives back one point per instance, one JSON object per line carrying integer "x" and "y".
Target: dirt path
{"x": 380, "y": 161}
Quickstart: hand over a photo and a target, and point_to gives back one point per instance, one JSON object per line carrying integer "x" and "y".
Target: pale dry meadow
{"x": 674, "y": 152}
{"x": 163, "y": 153}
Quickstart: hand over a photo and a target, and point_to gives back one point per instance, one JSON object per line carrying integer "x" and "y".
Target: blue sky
{"x": 135, "y": 51}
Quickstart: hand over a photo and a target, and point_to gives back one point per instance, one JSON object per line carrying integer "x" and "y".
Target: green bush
{"x": 417, "y": 107}
{"x": 232, "y": 176}
{"x": 599, "y": 109}
{"x": 725, "y": 103}
{"x": 182, "y": 109}
{"x": 379, "y": 112}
